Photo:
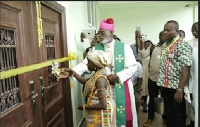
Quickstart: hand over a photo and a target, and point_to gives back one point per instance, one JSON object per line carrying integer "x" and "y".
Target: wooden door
{"x": 51, "y": 105}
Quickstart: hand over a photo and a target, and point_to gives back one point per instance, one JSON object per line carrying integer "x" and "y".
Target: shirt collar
{"x": 169, "y": 42}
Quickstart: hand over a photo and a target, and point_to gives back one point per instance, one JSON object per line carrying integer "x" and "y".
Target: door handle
{"x": 42, "y": 90}
{"x": 33, "y": 96}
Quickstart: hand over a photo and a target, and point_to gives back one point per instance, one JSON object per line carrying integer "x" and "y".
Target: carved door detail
{"x": 9, "y": 88}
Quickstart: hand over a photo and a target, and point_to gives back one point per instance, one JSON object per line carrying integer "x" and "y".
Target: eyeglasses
{"x": 101, "y": 32}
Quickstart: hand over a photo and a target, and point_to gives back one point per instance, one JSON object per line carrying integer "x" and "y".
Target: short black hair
{"x": 174, "y": 22}
{"x": 152, "y": 47}
{"x": 182, "y": 31}
{"x": 196, "y": 23}
{"x": 148, "y": 41}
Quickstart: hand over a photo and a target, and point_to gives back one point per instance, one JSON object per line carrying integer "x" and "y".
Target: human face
{"x": 105, "y": 36}
{"x": 195, "y": 30}
{"x": 91, "y": 66}
{"x": 162, "y": 39}
{"x": 170, "y": 31}
{"x": 181, "y": 35}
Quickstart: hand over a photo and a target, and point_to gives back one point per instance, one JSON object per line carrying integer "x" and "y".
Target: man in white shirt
{"x": 193, "y": 79}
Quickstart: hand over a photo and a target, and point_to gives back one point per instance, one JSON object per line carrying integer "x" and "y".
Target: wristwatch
{"x": 179, "y": 90}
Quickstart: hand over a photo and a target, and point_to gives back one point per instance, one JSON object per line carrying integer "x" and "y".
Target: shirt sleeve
{"x": 144, "y": 53}
{"x": 130, "y": 65}
{"x": 81, "y": 67}
{"x": 185, "y": 54}
{"x": 139, "y": 70}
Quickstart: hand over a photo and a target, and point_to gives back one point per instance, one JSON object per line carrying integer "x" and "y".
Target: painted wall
{"x": 151, "y": 20}
{"x": 98, "y": 10}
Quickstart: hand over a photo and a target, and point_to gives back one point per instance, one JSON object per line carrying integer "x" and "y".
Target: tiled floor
{"x": 158, "y": 121}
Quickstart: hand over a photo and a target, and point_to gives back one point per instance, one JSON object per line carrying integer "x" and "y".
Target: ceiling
{"x": 140, "y": 4}
{"x": 119, "y": 2}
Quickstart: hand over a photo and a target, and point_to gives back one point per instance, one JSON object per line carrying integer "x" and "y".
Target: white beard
{"x": 106, "y": 40}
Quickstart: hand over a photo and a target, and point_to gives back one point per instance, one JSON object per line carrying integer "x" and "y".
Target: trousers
{"x": 153, "y": 93}
{"x": 175, "y": 112}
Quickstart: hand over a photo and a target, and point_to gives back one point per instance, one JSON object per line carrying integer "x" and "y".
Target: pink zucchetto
{"x": 107, "y": 24}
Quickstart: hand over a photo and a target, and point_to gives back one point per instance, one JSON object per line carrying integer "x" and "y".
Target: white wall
{"x": 151, "y": 20}
{"x": 195, "y": 12}
{"x": 98, "y": 11}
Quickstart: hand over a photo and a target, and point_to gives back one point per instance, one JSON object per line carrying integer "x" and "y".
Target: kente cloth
{"x": 124, "y": 106}
{"x": 99, "y": 118}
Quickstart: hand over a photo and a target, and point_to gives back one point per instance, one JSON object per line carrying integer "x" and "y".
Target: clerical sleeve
{"x": 130, "y": 65}
{"x": 81, "y": 67}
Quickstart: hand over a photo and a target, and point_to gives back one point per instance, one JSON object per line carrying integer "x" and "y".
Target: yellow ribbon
{"x": 25, "y": 69}
{"x": 39, "y": 22}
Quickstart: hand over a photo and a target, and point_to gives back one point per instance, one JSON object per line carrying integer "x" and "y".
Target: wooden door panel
{"x": 57, "y": 120}
{"x": 53, "y": 96}
{"x": 15, "y": 117}
{"x": 16, "y": 112}
{"x": 53, "y": 90}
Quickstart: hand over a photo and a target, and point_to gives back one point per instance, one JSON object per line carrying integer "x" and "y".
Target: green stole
{"x": 119, "y": 87}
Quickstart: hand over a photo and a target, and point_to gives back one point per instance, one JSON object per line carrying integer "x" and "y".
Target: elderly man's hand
{"x": 112, "y": 78}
